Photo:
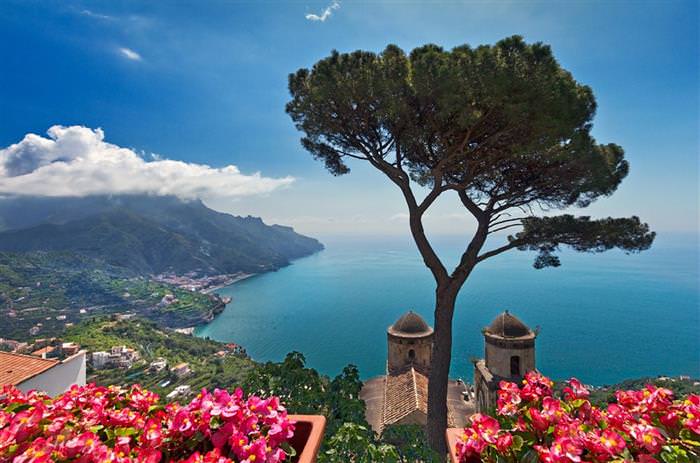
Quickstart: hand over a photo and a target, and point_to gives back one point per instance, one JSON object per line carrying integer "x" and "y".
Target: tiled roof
{"x": 17, "y": 368}
{"x": 410, "y": 323}
{"x": 507, "y": 325}
{"x": 404, "y": 394}
{"x": 43, "y": 350}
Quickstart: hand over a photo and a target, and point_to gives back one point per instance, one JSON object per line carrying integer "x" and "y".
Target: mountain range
{"x": 149, "y": 234}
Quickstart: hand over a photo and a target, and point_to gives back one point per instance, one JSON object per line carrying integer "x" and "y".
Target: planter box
{"x": 308, "y": 435}
{"x": 453, "y": 435}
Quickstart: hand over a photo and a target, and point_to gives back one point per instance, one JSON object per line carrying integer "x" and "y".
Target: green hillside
{"x": 208, "y": 369}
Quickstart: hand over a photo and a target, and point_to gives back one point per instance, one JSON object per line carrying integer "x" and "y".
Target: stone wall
{"x": 499, "y": 356}
{"x": 405, "y": 351}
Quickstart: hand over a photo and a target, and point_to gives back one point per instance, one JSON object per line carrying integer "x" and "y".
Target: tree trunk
{"x": 445, "y": 297}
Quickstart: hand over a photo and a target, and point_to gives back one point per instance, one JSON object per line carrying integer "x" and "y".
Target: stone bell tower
{"x": 410, "y": 342}
{"x": 509, "y": 354}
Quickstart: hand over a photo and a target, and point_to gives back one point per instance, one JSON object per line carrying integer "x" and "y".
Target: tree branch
{"x": 472, "y": 207}
{"x": 505, "y": 227}
{"x": 498, "y": 222}
{"x": 430, "y": 257}
{"x": 437, "y": 190}
{"x": 495, "y": 252}
{"x": 469, "y": 257}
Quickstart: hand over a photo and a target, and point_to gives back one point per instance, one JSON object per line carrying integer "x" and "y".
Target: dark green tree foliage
{"x": 545, "y": 234}
{"x": 356, "y": 443}
{"x": 344, "y": 400}
{"x": 504, "y": 127}
{"x": 301, "y": 389}
{"x": 410, "y": 443}
{"x": 348, "y": 436}
{"x": 304, "y": 391}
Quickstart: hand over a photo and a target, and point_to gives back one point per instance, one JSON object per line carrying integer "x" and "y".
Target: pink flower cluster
{"x": 111, "y": 424}
{"x": 532, "y": 424}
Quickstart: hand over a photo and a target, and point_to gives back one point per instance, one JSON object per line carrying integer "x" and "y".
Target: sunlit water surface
{"x": 602, "y": 317}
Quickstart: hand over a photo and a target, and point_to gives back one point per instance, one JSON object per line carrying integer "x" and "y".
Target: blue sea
{"x": 602, "y": 317}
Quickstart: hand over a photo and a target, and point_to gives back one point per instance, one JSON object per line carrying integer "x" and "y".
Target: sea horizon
{"x": 601, "y": 317}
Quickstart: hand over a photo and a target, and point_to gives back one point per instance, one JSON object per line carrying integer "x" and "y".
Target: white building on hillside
{"x": 53, "y": 376}
{"x": 100, "y": 359}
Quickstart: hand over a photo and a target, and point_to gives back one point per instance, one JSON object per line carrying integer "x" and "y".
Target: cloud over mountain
{"x": 76, "y": 161}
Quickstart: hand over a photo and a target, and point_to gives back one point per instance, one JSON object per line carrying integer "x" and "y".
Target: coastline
{"x": 229, "y": 282}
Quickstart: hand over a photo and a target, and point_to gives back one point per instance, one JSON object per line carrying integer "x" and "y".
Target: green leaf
{"x": 578, "y": 402}
{"x": 518, "y": 443}
{"x": 17, "y": 407}
{"x": 124, "y": 432}
{"x": 215, "y": 422}
{"x": 688, "y": 436}
{"x": 288, "y": 449}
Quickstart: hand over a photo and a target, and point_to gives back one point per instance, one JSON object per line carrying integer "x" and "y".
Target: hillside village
{"x": 123, "y": 350}
{"x": 43, "y": 294}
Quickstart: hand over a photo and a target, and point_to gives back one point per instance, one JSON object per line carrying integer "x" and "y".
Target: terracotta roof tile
{"x": 43, "y": 350}
{"x": 17, "y": 368}
{"x": 404, "y": 394}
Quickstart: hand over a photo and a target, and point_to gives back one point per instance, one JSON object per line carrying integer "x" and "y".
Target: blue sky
{"x": 205, "y": 83}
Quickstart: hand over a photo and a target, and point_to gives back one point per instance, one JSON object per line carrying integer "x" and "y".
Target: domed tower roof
{"x": 507, "y": 325}
{"x": 410, "y": 325}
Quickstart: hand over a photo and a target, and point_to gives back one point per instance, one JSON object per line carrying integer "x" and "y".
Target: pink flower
{"x": 471, "y": 445}
{"x": 539, "y": 421}
{"x": 575, "y": 390}
{"x": 618, "y": 416}
{"x": 572, "y": 430}
{"x": 536, "y": 386}
{"x": 565, "y": 449}
{"x": 644, "y": 458}
{"x": 83, "y": 443}
{"x": 504, "y": 442}
{"x": 486, "y": 427}
{"x": 148, "y": 455}
{"x": 38, "y": 452}
{"x": 613, "y": 443}
{"x": 76, "y": 426}
{"x": 153, "y": 433}
{"x": 551, "y": 409}
{"x": 508, "y": 398}
{"x": 647, "y": 436}
{"x": 691, "y": 409}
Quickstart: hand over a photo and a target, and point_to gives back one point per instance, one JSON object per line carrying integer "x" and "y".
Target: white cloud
{"x": 130, "y": 54}
{"x": 76, "y": 161}
{"x": 325, "y": 14}
{"x": 92, "y": 14}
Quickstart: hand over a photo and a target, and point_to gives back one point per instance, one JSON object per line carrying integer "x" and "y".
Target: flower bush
{"x": 533, "y": 425}
{"x": 111, "y": 424}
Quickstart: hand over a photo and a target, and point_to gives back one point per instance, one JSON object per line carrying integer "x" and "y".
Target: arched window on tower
{"x": 515, "y": 365}
{"x": 411, "y": 355}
